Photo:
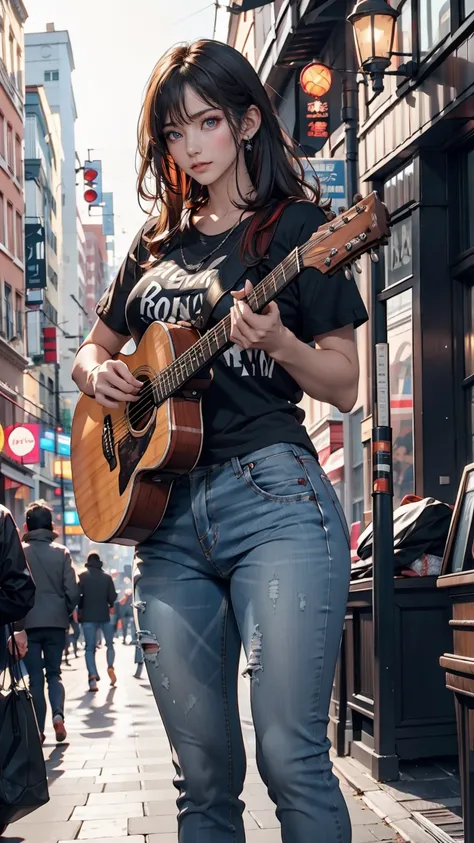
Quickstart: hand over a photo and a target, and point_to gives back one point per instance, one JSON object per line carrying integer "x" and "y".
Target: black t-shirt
{"x": 252, "y": 401}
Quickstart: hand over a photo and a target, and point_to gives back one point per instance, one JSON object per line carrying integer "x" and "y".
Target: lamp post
{"x": 374, "y": 23}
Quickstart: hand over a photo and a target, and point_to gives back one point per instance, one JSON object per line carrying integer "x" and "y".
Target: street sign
{"x": 35, "y": 256}
{"x": 332, "y": 179}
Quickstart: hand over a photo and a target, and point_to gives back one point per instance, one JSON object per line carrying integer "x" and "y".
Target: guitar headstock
{"x": 338, "y": 243}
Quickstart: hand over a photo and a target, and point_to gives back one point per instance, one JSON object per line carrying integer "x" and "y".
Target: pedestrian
{"x": 17, "y": 593}
{"x": 97, "y": 598}
{"x": 56, "y": 597}
{"x": 253, "y": 546}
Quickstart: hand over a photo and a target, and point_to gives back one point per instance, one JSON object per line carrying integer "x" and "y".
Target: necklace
{"x": 195, "y": 267}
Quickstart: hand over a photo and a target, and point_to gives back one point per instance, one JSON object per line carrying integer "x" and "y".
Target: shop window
{"x": 400, "y": 339}
{"x": 435, "y": 23}
{"x": 357, "y": 513}
{"x": 403, "y": 35}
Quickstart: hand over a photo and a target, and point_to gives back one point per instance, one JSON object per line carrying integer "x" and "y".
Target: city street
{"x": 113, "y": 780}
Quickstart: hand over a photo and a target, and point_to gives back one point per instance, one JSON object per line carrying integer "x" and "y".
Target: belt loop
{"x": 237, "y": 468}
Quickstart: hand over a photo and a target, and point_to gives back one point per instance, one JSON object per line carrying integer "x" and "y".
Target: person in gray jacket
{"x": 57, "y": 595}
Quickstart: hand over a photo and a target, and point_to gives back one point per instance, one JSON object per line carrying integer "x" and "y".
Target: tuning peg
{"x": 348, "y": 273}
{"x": 374, "y": 256}
{"x": 357, "y": 267}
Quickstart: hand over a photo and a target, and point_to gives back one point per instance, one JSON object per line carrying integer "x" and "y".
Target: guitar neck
{"x": 217, "y": 339}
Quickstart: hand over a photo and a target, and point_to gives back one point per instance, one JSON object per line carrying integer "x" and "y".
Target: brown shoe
{"x": 59, "y": 728}
{"x": 112, "y": 676}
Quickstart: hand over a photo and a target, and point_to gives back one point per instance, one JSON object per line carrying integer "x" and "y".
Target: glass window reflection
{"x": 400, "y": 338}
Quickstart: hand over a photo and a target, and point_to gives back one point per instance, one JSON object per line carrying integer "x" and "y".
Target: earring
{"x": 248, "y": 144}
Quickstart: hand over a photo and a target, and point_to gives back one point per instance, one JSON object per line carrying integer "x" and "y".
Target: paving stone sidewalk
{"x": 112, "y": 782}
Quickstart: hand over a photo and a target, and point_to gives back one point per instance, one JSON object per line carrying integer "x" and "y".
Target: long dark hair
{"x": 223, "y": 78}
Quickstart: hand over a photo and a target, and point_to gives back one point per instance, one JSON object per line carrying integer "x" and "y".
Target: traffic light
{"x": 93, "y": 182}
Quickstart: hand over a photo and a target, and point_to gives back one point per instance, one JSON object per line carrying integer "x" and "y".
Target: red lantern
{"x": 315, "y": 79}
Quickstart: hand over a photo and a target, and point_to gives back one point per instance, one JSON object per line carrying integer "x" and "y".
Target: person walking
{"x": 97, "y": 596}
{"x": 46, "y": 623}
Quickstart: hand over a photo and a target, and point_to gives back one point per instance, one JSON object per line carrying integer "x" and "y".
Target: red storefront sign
{"x": 22, "y": 443}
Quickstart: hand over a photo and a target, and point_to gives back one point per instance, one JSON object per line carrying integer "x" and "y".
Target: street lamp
{"x": 374, "y": 23}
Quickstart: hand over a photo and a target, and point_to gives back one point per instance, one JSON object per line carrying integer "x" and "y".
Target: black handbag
{"x": 23, "y": 782}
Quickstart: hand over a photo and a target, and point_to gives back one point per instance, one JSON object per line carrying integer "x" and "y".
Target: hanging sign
{"x": 22, "y": 443}
{"x": 313, "y": 122}
{"x": 35, "y": 256}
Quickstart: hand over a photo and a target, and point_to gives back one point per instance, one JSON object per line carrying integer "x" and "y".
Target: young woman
{"x": 253, "y": 548}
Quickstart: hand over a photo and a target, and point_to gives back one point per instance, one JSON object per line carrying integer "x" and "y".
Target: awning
{"x": 16, "y": 474}
{"x": 334, "y": 461}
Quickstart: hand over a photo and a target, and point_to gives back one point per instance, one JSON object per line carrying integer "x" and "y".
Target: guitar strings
{"x": 146, "y": 403}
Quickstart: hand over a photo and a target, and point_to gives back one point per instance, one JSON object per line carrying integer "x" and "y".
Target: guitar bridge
{"x": 108, "y": 443}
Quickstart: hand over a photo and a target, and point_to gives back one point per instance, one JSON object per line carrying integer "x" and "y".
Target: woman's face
{"x": 205, "y": 147}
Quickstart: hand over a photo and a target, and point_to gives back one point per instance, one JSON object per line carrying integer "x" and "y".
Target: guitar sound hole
{"x": 140, "y": 412}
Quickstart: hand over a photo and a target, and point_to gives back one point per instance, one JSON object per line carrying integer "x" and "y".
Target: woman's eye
{"x": 172, "y": 136}
{"x": 211, "y": 122}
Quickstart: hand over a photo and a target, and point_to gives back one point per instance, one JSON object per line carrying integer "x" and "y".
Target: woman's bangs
{"x": 170, "y": 104}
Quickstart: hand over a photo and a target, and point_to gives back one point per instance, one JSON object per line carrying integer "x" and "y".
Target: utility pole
{"x": 56, "y": 447}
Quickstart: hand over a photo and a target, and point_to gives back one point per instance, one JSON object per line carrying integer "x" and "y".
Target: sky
{"x": 116, "y": 44}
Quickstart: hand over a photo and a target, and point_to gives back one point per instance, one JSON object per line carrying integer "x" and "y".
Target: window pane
{"x": 55, "y": 75}
{"x": 399, "y": 323}
{"x": 435, "y": 23}
{"x": 470, "y": 195}
{"x": 469, "y": 334}
{"x": 399, "y": 253}
{"x": 468, "y": 8}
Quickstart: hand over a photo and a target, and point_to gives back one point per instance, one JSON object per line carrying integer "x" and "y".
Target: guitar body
{"x": 123, "y": 468}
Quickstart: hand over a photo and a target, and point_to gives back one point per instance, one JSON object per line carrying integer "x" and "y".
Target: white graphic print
{"x": 159, "y": 302}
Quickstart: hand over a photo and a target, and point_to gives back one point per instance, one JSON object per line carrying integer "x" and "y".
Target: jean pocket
{"x": 278, "y": 477}
{"x": 336, "y": 504}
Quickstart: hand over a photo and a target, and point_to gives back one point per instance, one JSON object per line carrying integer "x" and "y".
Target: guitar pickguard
{"x": 130, "y": 451}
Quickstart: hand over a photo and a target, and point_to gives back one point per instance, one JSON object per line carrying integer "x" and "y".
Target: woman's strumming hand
{"x": 263, "y": 330}
{"x": 112, "y": 383}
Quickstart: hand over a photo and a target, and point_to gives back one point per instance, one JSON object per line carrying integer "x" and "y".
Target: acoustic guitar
{"x": 125, "y": 460}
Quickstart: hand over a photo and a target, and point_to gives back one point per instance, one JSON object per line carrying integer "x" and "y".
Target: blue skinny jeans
{"x": 255, "y": 552}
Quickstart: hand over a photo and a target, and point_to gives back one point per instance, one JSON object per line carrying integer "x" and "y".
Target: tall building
{"x": 50, "y": 62}
{"x": 43, "y": 230}
{"x": 16, "y": 481}
{"x": 96, "y": 268}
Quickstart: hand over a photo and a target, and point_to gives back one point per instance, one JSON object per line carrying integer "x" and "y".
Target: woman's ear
{"x": 251, "y": 122}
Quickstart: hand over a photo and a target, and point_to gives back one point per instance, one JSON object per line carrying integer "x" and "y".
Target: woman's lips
{"x": 199, "y": 168}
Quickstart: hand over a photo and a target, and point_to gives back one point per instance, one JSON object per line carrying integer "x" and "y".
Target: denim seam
{"x": 230, "y": 778}
{"x": 330, "y": 561}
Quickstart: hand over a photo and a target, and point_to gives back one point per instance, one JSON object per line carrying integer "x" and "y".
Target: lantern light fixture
{"x": 374, "y": 23}
{"x": 315, "y": 79}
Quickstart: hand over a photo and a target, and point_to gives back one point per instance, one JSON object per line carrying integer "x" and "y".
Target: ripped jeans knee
{"x": 149, "y": 646}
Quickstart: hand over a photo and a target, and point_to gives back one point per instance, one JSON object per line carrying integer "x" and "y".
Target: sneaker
{"x": 93, "y": 686}
{"x": 112, "y": 676}
{"x": 59, "y": 728}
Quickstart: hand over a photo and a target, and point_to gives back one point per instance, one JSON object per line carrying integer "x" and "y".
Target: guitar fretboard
{"x": 214, "y": 341}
